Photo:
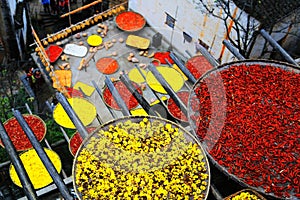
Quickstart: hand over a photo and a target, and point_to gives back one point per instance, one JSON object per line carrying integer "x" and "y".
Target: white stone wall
{"x": 189, "y": 18}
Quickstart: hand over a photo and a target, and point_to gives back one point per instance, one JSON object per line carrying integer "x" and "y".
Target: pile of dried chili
{"x": 53, "y": 52}
{"x": 198, "y": 65}
{"x": 126, "y": 95}
{"x": 73, "y": 92}
{"x": 18, "y": 136}
{"x": 247, "y": 114}
{"x": 130, "y": 21}
{"x": 174, "y": 110}
{"x": 76, "y": 140}
{"x": 107, "y": 65}
{"x": 162, "y": 57}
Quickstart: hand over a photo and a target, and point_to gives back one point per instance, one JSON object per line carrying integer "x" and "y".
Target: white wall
{"x": 190, "y": 19}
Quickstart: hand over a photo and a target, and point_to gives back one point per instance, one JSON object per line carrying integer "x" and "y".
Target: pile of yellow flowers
{"x": 245, "y": 196}
{"x": 37, "y": 172}
{"x": 141, "y": 160}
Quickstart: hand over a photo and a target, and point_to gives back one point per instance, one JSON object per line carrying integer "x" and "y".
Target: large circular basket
{"x": 130, "y": 21}
{"x": 140, "y": 157}
{"x": 246, "y": 114}
{"x": 18, "y": 136}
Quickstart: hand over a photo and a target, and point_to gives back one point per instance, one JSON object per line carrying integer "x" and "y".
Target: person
{"x": 46, "y": 5}
{"x": 54, "y": 5}
{"x": 37, "y": 73}
{"x": 61, "y": 5}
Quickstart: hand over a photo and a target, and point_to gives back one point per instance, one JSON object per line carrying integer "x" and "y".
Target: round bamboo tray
{"x": 214, "y": 105}
{"x": 104, "y": 157}
{"x": 38, "y": 174}
{"x": 250, "y": 191}
{"x": 19, "y": 138}
{"x": 130, "y": 21}
{"x": 85, "y": 110}
{"x": 129, "y": 102}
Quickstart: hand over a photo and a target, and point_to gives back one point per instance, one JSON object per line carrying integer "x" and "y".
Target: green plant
{"x": 3, "y": 155}
{"x": 54, "y": 133}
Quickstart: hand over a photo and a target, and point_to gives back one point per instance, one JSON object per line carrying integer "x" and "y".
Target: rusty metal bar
{"x": 117, "y": 96}
{"x": 206, "y": 54}
{"x": 182, "y": 67}
{"x": 233, "y": 50}
{"x": 157, "y": 106}
{"x": 16, "y": 161}
{"x": 168, "y": 88}
{"x": 278, "y": 47}
{"x": 43, "y": 156}
{"x": 73, "y": 116}
{"x": 45, "y": 140}
{"x": 142, "y": 101}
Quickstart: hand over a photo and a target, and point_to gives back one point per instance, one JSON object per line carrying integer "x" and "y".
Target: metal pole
{"x": 73, "y": 116}
{"x": 156, "y": 95}
{"x": 100, "y": 94}
{"x": 233, "y": 50}
{"x": 46, "y": 141}
{"x": 278, "y": 47}
{"x": 168, "y": 88}
{"x": 170, "y": 65}
{"x": 215, "y": 192}
{"x": 182, "y": 67}
{"x": 117, "y": 96}
{"x": 142, "y": 101}
{"x": 16, "y": 161}
{"x": 43, "y": 156}
{"x": 206, "y": 54}
{"x": 61, "y": 129}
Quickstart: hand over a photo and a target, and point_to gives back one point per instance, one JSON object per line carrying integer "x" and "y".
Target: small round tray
{"x": 107, "y": 65}
{"x": 135, "y": 75}
{"x": 198, "y": 65}
{"x": 130, "y": 21}
{"x": 85, "y": 110}
{"x": 38, "y": 174}
{"x": 94, "y": 40}
{"x": 125, "y": 94}
{"x": 171, "y": 75}
{"x": 76, "y": 140}
{"x": 174, "y": 110}
{"x": 18, "y": 136}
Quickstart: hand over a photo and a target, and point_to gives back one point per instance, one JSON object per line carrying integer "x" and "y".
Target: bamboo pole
{"x": 80, "y": 9}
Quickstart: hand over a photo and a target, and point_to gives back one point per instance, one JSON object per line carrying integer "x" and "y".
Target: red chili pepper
{"x": 174, "y": 109}
{"x": 126, "y": 95}
{"x": 260, "y": 131}
{"x": 130, "y": 21}
{"x": 18, "y": 136}
{"x": 76, "y": 140}
{"x": 198, "y": 65}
